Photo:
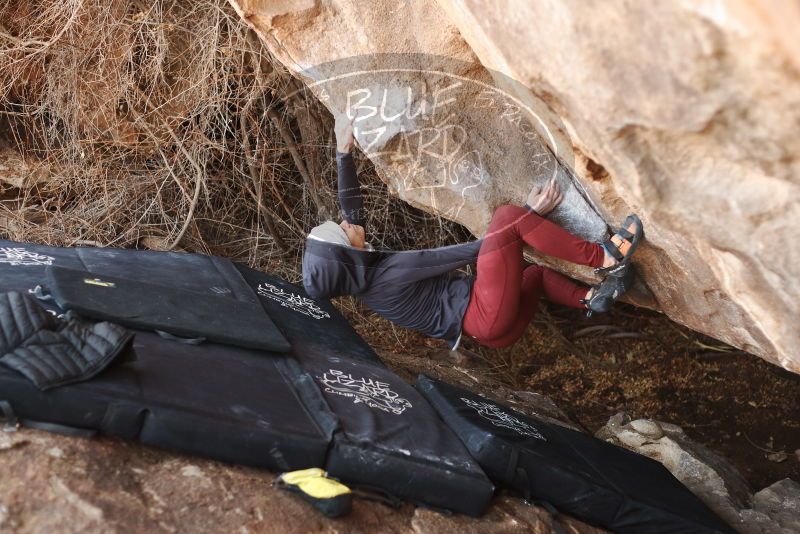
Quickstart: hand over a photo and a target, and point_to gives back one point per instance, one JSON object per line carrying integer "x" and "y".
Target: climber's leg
{"x": 501, "y": 328}
{"x": 613, "y": 257}
{"x": 494, "y": 306}
{"x": 537, "y": 282}
{"x": 563, "y": 290}
{"x": 495, "y": 297}
{"x": 500, "y": 307}
{"x": 514, "y": 223}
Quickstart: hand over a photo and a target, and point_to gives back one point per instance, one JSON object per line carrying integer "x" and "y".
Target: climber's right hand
{"x": 344, "y": 132}
{"x": 543, "y": 200}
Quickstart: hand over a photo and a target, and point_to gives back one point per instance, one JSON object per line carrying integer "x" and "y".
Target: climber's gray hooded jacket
{"x": 414, "y": 289}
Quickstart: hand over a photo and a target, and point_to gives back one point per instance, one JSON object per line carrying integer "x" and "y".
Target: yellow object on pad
{"x": 327, "y": 495}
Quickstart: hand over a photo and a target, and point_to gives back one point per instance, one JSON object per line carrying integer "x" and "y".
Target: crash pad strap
{"x": 555, "y": 526}
{"x": 514, "y": 472}
{"x": 64, "y": 430}
{"x": 13, "y": 423}
{"x": 511, "y": 468}
{"x": 123, "y": 420}
{"x": 178, "y": 339}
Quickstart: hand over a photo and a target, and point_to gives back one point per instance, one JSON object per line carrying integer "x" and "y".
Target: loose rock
{"x": 710, "y": 477}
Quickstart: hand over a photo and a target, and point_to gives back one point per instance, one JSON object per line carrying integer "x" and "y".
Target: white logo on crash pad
{"x": 19, "y": 256}
{"x": 373, "y": 393}
{"x": 499, "y": 418}
{"x": 295, "y": 302}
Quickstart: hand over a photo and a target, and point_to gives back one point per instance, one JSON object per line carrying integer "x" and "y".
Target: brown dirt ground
{"x": 631, "y": 360}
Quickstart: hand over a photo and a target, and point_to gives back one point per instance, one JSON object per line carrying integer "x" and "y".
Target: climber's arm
{"x": 350, "y": 201}
{"x": 414, "y": 265}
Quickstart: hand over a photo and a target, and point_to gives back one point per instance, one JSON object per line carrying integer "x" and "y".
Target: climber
{"x": 421, "y": 290}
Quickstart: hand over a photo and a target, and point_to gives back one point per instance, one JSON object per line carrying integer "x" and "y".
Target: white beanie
{"x": 331, "y": 232}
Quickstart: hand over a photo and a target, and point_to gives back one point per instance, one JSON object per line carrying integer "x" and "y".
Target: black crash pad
{"x": 253, "y": 407}
{"x": 312, "y": 326}
{"x": 391, "y": 439}
{"x": 217, "y": 401}
{"x": 588, "y": 478}
{"x": 308, "y": 324}
{"x": 388, "y": 436}
{"x": 161, "y": 307}
{"x": 23, "y": 267}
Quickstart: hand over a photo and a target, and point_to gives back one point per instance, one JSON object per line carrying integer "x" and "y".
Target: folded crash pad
{"x": 307, "y": 324}
{"x": 391, "y": 439}
{"x": 161, "y": 307}
{"x": 23, "y": 267}
{"x": 588, "y": 478}
{"x": 388, "y": 437}
{"x": 313, "y": 326}
{"x": 219, "y": 401}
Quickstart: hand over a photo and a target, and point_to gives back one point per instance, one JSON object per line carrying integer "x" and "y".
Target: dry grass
{"x": 166, "y": 125}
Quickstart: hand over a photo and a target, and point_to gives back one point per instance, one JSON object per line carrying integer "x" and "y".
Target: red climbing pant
{"x": 505, "y": 295}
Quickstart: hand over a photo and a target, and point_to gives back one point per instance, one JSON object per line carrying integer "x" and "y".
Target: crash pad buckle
{"x": 14, "y": 423}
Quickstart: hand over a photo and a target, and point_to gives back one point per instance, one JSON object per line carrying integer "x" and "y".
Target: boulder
{"x": 776, "y": 507}
{"x": 684, "y": 112}
{"x": 710, "y": 477}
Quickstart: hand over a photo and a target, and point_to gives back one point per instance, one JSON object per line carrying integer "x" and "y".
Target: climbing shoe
{"x": 609, "y": 290}
{"x": 623, "y": 234}
{"x": 328, "y": 496}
